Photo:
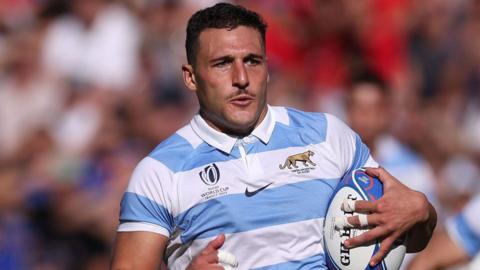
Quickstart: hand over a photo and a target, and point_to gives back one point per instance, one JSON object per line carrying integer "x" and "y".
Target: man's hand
{"x": 208, "y": 257}
{"x": 399, "y": 211}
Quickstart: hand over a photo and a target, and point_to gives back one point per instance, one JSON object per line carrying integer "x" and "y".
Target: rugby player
{"x": 247, "y": 179}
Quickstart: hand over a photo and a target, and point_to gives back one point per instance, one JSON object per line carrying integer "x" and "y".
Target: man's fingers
{"x": 358, "y": 206}
{"x": 348, "y": 205}
{"x": 216, "y": 267}
{"x": 209, "y": 256}
{"x": 363, "y": 221}
{"x": 215, "y": 244}
{"x": 342, "y": 223}
{"x": 365, "y": 238}
{"x": 385, "y": 246}
{"x": 385, "y": 177}
{"x": 379, "y": 173}
{"x": 214, "y": 258}
{"x": 227, "y": 258}
{"x": 357, "y": 221}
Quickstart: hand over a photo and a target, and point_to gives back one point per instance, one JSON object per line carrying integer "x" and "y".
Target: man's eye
{"x": 221, "y": 64}
{"x": 252, "y": 62}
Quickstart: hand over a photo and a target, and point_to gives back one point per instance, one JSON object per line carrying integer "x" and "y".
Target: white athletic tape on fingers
{"x": 341, "y": 222}
{"x": 363, "y": 220}
{"x": 348, "y": 205}
{"x": 226, "y": 267}
{"x": 227, "y": 259}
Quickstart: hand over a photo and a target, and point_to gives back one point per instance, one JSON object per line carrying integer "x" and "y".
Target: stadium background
{"x": 88, "y": 87}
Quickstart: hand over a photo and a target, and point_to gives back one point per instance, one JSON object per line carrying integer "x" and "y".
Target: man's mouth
{"x": 242, "y": 100}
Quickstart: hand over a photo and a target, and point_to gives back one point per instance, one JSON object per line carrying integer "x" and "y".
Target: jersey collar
{"x": 225, "y": 142}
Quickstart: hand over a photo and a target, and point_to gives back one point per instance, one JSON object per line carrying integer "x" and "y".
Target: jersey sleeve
{"x": 464, "y": 228}
{"x": 350, "y": 152}
{"x": 147, "y": 202}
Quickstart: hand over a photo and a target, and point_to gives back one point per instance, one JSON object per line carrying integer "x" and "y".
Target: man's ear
{"x": 189, "y": 77}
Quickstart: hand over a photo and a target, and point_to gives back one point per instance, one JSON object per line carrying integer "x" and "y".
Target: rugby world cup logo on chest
{"x": 210, "y": 176}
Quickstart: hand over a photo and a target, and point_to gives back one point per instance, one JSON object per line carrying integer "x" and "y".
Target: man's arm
{"x": 441, "y": 253}
{"x": 144, "y": 250}
{"x": 138, "y": 250}
{"x": 399, "y": 211}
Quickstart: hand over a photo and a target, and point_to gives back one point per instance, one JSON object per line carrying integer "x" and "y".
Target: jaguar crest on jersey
{"x": 304, "y": 158}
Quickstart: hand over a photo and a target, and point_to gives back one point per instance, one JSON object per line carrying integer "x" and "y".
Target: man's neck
{"x": 235, "y": 132}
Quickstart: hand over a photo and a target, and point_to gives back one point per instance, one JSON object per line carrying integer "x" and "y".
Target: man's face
{"x": 230, "y": 77}
{"x": 367, "y": 111}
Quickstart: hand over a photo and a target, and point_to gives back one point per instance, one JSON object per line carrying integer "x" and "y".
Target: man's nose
{"x": 240, "y": 75}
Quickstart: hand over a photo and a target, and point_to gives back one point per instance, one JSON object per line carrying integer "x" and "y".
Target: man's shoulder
{"x": 319, "y": 124}
{"x": 290, "y": 115}
{"x": 319, "y": 121}
{"x": 174, "y": 150}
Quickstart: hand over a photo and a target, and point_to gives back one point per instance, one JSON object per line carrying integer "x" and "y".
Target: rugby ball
{"x": 356, "y": 185}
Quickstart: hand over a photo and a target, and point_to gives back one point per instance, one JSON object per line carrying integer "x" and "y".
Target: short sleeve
{"x": 350, "y": 152}
{"x": 146, "y": 204}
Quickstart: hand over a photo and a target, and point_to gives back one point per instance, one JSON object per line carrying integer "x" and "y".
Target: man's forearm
{"x": 138, "y": 250}
{"x": 441, "y": 253}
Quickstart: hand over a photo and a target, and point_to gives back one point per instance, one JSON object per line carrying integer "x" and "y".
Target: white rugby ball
{"x": 355, "y": 186}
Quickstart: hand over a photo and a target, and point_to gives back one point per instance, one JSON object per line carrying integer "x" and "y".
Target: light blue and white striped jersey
{"x": 267, "y": 192}
{"x": 464, "y": 228}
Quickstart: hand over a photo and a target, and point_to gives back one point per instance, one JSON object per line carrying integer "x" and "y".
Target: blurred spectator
{"x": 29, "y": 97}
{"x": 97, "y": 42}
{"x": 15, "y": 235}
{"x": 458, "y": 244}
{"x": 369, "y": 113}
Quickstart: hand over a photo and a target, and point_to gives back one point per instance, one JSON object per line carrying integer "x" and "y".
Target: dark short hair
{"x": 220, "y": 16}
{"x": 372, "y": 78}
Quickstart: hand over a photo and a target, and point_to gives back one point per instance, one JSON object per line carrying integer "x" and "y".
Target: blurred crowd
{"x": 89, "y": 87}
